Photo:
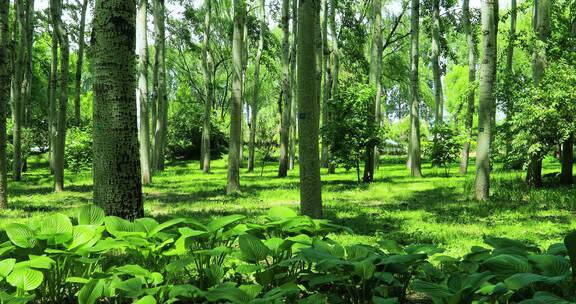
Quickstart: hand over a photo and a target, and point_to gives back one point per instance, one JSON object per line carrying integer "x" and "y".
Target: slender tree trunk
{"x": 567, "y": 161}
{"x": 60, "y": 134}
{"x": 327, "y": 71}
{"x": 414, "y": 147}
{"x": 19, "y": 70}
{"x": 117, "y": 179}
{"x": 237, "y": 98}
{"x": 286, "y": 90}
{"x": 27, "y": 78}
{"x": 144, "y": 130}
{"x": 52, "y": 95}
{"x": 375, "y": 79}
{"x": 509, "y": 65}
{"x": 154, "y": 107}
{"x": 293, "y": 102}
{"x": 471, "y": 81}
{"x": 335, "y": 69}
{"x": 160, "y": 132}
{"x": 79, "y": 64}
{"x": 308, "y": 111}
{"x": 542, "y": 28}
{"x": 435, "y": 58}
{"x": 209, "y": 87}
{"x": 487, "y": 100}
{"x": 5, "y": 75}
{"x": 256, "y": 97}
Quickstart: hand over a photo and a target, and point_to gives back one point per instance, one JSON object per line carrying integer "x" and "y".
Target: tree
{"x": 470, "y": 96}
{"x": 327, "y": 72}
{"x": 207, "y": 67}
{"x": 117, "y": 180}
{"x": 435, "y": 58}
{"x": 80, "y": 62}
{"x": 414, "y": 152}
{"x": 144, "y": 125}
{"x": 5, "y": 75}
{"x": 375, "y": 82}
{"x": 52, "y": 91}
{"x": 335, "y": 64}
{"x": 237, "y": 98}
{"x": 160, "y": 94}
{"x": 293, "y": 103}
{"x": 308, "y": 110}
{"x": 256, "y": 91}
{"x": 286, "y": 90}
{"x": 485, "y": 110}
{"x": 61, "y": 108}
{"x": 17, "y": 85}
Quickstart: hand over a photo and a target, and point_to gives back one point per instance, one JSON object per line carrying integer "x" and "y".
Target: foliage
{"x": 446, "y": 147}
{"x": 78, "y": 149}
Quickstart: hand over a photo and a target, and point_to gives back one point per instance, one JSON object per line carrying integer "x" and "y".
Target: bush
{"x": 445, "y": 148}
{"x": 78, "y": 153}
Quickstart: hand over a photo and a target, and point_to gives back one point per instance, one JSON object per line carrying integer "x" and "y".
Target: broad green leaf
{"x": 133, "y": 270}
{"x": 551, "y": 265}
{"x": 180, "y": 264}
{"x": 145, "y": 225}
{"x": 6, "y": 248}
{"x": 314, "y": 299}
{"x": 165, "y": 225}
{"x": 35, "y": 261}
{"x": 232, "y": 294}
{"x": 81, "y": 235}
{"x": 119, "y": 227}
{"x": 542, "y": 297}
{"x": 521, "y": 280}
{"x": 222, "y": 222}
{"x": 91, "y": 292}
{"x": 279, "y": 213}
{"x": 251, "y": 290}
{"x": 11, "y": 299}
{"x": 252, "y": 248}
{"x": 146, "y": 300}
{"x": 132, "y": 288}
{"x": 91, "y": 215}
{"x": 507, "y": 264}
{"x": 77, "y": 280}
{"x": 6, "y": 267}
{"x": 434, "y": 291}
{"x": 25, "y": 278}
{"x": 20, "y": 235}
{"x": 275, "y": 245}
{"x": 185, "y": 291}
{"x": 56, "y": 229}
{"x": 365, "y": 269}
{"x": 379, "y": 300}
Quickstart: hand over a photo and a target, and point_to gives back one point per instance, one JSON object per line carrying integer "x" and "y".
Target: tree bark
{"x": 435, "y": 58}
{"x": 414, "y": 146}
{"x": 5, "y": 76}
{"x": 567, "y": 161}
{"x": 79, "y": 64}
{"x": 471, "y": 80}
{"x": 117, "y": 176}
{"x": 52, "y": 94}
{"x": 487, "y": 100}
{"x": 144, "y": 124}
{"x": 308, "y": 111}
{"x": 237, "y": 98}
{"x": 160, "y": 132}
{"x": 326, "y": 92}
{"x": 207, "y": 67}
{"x": 256, "y": 92}
{"x": 335, "y": 69}
{"x": 286, "y": 90}
{"x": 293, "y": 102}
{"x": 17, "y": 82}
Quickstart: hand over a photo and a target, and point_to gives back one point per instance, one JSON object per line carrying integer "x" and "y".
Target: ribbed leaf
{"x": 551, "y": 265}
{"x": 165, "y": 225}
{"x": 252, "y": 248}
{"x": 146, "y": 300}
{"x": 25, "y": 278}
{"x": 91, "y": 215}
{"x": 81, "y": 235}
{"x": 433, "y": 291}
{"x": 6, "y": 267}
{"x": 56, "y": 229}
{"x": 507, "y": 264}
{"x": 91, "y": 292}
{"x": 38, "y": 262}
{"x": 521, "y": 280}
{"x": 279, "y": 213}
{"x": 222, "y": 222}
{"x": 232, "y": 294}
{"x": 543, "y": 297}
{"x": 21, "y": 236}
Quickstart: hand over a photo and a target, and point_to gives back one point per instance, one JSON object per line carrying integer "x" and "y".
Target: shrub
{"x": 446, "y": 147}
{"x": 78, "y": 149}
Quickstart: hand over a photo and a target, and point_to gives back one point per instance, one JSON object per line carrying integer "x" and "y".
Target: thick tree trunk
{"x": 79, "y": 64}
{"x": 144, "y": 124}
{"x": 117, "y": 180}
{"x": 375, "y": 79}
{"x": 209, "y": 90}
{"x": 5, "y": 75}
{"x": 435, "y": 58}
{"x": 471, "y": 79}
{"x": 160, "y": 132}
{"x": 293, "y": 102}
{"x": 335, "y": 69}
{"x": 414, "y": 146}
{"x": 487, "y": 80}
{"x": 237, "y": 98}
{"x": 256, "y": 92}
{"x": 567, "y": 161}
{"x": 308, "y": 111}
{"x": 286, "y": 90}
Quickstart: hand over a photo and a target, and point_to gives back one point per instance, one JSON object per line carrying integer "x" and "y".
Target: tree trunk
{"x": 17, "y": 82}
{"x": 144, "y": 132}
{"x": 567, "y": 161}
{"x": 487, "y": 100}
{"x": 207, "y": 66}
{"x": 256, "y": 97}
{"x": 375, "y": 78}
{"x": 5, "y": 75}
{"x": 117, "y": 180}
{"x": 52, "y": 95}
{"x": 293, "y": 102}
{"x": 471, "y": 80}
{"x": 335, "y": 69}
{"x": 27, "y": 79}
{"x": 509, "y": 65}
{"x": 160, "y": 132}
{"x": 542, "y": 27}
{"x": 414, "y": 147}
{"x": 79, "y": 64}
{"x": 286, "y": 90}
{"x": 327, "y": 71}
{"x": 237, "y": 98}
{"x": 435, "y": 58}
{"x": 308, "y": 111}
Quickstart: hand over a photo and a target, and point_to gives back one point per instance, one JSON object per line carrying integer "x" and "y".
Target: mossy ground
{"x": 435, "y": 209}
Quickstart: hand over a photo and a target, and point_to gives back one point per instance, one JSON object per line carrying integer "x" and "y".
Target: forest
{"x": 287, "y": 151}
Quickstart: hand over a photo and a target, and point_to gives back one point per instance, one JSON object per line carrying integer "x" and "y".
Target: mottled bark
{"x": 207, "y": 67}
{"x": 375, "y": 80}
{"x": 335, "y": 68}
{"x": 5, "y": 75}
{"x": 117, "y": 180}
{"x": 286, "y": 90}
{"x": 435, "y": 60}
{"x": 294, "y": 102}
{"x": 308, "y": 110}
{"x": 471, "y": 80}
{"x": 327, "y": 75}
{"x": 256, "y": 91}
{"x": 161, "y": 96}
{"x": 567, "y": 161}
{"x": 80, "y": 63}
{"x": 487, "y": 99}
{"x": 144, "y": 123}
{"x": 414, "y": 146}
{"x": 237, "y": 100}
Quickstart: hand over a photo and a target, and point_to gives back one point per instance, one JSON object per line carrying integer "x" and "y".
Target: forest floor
{"x": 435, "y": 209}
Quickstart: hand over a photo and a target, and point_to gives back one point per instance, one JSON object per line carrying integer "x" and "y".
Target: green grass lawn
{"x": 435, "y": 209}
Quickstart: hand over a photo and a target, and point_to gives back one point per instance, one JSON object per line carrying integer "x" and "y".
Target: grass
{"x": 435, "y": 209}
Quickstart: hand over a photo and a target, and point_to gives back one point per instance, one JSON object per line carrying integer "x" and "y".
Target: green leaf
{"x": 379, "y": 300}
{"x": 232, "y": 294}
{"x": 252, "y": 248}
{"x": 131, "y": 287}
{"x": 275, "y": 245}
{"x": 314, "y": 299}
{"x": 35, "y": 261}
{"x": 56, "y": 229}
{"x": 551, "y": 265}
{"x": 521, "y": 280}
{"x": 434, "y": 291}
{"x": 119, "y": 227}
{"x": 222, "y": 222}
{"x": 507, "y": 264}
{"x": 185, "y": 291}
{"x": 133, "y": 270}
{"x": 251, "y": 290}
{"x": 6, "y": 267}
{"x": 570, "y": 242}
{"x": 279, "y": 213}
{"x": 91, "y": 215}
{"x": 146, "y": 300}
{"x": 542, "y": 297}
{"x": 145, "y": 225}
{"x": 6, "y": 248}
{"x": 11, "y": 299}
{"x": 165, "y": 225}
{"x": 25, "y": 278}
{"x": 81, "y": 235}
{"x": 20, "y": 235}
{"x": 365, "y": 269}
{"x": 91, "y": 292}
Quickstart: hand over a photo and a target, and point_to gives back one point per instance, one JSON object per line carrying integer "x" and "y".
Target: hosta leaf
{"x": 25, "y": 278}
{"x": 434, "y": 291}
{"x": 476, "y": 280}
{"x": 133, "y": 270}
{"x": 11, "y": 299}
{"x": 20, "y": 235}
{"x": 119, "y": 227}
{"x": 35, "y": 261}
{"x": 214, "y": 274}
{"x": 91, "y": 292}
{"x": 6, "y": 267}
{"x": 6, "y": 248}
{"x": 252, "y": 248}
{"x": 145, "y": 225}
{"x": 91, "y": 215}
{"x": 232, "y": 294}
{"x": 146, "y": 300}
{"x": 180, "y": 264}
{"x": 315, "y": 299}
{"x": 56, "y": 229}
{"x": 557, "y": 249}
{"x": 185, "y": 291}
{"x": 81, "y": 235}
{"x": 279, "y": 213}
{"x": 570, "y": 242}
{"x": 222, "y": 222}
{"x": 364, "y": 269}
{"x": 252, "y": 290}
{"x": 543, "y": 297}
{"x": 379, "y": 300}
{"x": 132, "y": 288}
{"x": 507, "y": 264}
{"x": 275, "y": 245}
{"x": 521, "y": 280}
{"x": 166, "y": 225}
{"x": 551, "y": 265}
